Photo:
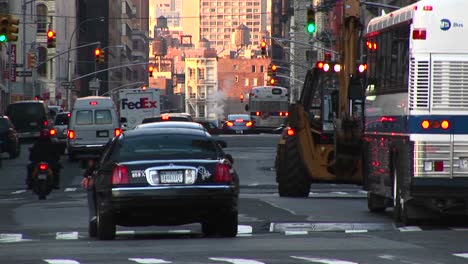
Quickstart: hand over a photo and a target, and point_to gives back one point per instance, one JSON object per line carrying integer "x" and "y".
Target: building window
{"x": 41, "y": 11}
{"x": 253, "y": 68}
{"x": 255, "y": 82}
{"x": 191, "y": 73}
{"x": 236, "y": 79}
{"x": 234, "y": 66}
{"x": 246, "y": 82}
{"x": 262, "y": 69}
{"x": 201, "y": 73}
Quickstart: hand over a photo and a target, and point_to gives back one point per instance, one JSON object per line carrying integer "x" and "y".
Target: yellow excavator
{"x": 322, "y": 140}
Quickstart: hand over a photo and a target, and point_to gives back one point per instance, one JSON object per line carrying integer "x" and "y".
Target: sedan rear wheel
{"x": 228, "y": 224}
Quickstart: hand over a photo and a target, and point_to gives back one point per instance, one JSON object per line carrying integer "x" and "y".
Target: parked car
{"x": 165, "y": 176}
{"x": 61, "y": 129}
{"x": 168, "y": 117}
{"x": 9, "y": 141}
{"x": 238, "y": 124}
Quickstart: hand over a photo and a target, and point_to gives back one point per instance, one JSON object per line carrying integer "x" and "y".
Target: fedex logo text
{"x": 143, "y": 103}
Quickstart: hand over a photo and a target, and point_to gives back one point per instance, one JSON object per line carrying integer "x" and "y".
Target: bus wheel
{"x": 294, "y": 181}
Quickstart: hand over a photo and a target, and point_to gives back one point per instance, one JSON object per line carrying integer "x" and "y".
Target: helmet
{"x": 44, "y": 133}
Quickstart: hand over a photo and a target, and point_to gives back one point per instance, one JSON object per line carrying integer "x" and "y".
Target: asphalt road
{"x": 331, "y": 226}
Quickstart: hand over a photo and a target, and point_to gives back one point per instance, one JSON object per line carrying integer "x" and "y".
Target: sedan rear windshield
{"x": 148, "y": 147}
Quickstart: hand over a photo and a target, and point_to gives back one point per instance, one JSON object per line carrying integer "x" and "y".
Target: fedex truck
{"x": 135, "y": 104}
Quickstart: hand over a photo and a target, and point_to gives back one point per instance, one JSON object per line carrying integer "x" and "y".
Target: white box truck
{"x": 135, "y": 104}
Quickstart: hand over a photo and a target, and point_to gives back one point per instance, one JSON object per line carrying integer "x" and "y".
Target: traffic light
{"x": 4, "y": 23}
{"x": 263, "y": 47}
{"x": 97, "y": 54}
{"x": 273, "y": 81}
{"x": 311, "y": 26}
{"x": 51, "y": 39}
{"x": 144, "y": 87}
{"x": 241, "y": 98}
{"x": 150, "y": 70}
{"x": 101, "y": 57}
{"x": 32, "y": 60}
{"x": 12, "y": 28}
{"x": 274, "y": 68}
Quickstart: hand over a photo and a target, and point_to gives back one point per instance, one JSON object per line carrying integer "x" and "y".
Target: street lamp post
{"x": 68, "y": 55}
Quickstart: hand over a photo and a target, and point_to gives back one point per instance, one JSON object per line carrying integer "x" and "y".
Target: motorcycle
{"x": 42, "y": 179}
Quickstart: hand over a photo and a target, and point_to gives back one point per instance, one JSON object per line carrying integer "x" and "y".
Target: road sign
{"x": 66, "y": 83}
{"x": 94, "y": 84}
{"x": 24, "y": 73}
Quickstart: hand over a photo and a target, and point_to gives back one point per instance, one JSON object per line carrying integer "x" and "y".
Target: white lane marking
{"x": 325, "y": 261}
{"x": 70, "y": 189}
{"x": 125, "y": 232}
{"x": 295, "y": 233}
{"x": 61, "y": 261}
{"x": 340, "y": 193}
{"x": 238, "y": 261}
{"x": 356, "y": 231}
{"x": 66, "y": 235}
{"x": 179, "y": 231}
{"x": 461, "y": 255}
{"x": 244, "y": 229}
{"x": 410, "y": 229}
{"x": 18, "y": 192}
{"x": 149, "y": 260}
{"x": 9, "y": 238}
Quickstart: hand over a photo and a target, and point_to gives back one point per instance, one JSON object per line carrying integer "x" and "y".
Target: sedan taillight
{"x": 119, "y": 174}
{"x": 222, "y": 173}
{"x": 249, "y": 124}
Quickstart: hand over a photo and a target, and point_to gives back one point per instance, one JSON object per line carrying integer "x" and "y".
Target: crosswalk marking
{"x": 149, "y": 260}
{"x": 461, "y": 255}
{"x": 238, "y": 261}
{"x": 61, "y": 261}
{"x": 325, "y": 261}
{"x": 66, "y": 235}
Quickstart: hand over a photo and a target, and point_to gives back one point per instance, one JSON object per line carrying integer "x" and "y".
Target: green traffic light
{"x": 3, "y": 38}
{"x": 311, "y": 28}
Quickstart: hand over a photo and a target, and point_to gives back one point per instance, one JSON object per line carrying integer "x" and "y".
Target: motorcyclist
{"x": 44, "y": 150}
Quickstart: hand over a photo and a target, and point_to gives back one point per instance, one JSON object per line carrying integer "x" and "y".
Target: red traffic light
{"x": 263, "y": 44}
{"x": 274, "y": 67}
{"x": 97, "y": 52}
{"x": 50, "y": 34}
{"x": 151, "y": 68}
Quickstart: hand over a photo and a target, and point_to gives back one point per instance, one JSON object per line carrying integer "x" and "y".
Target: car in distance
{"x": 165, "y": 176}
{"x": 210, "y": 126}
{"x": 9, "y": 142}
{"x": 238, "y": 124}
{"x": 168, "y": 117}
{"x": 61, "y": 129}
{"x": 29, "y": 118}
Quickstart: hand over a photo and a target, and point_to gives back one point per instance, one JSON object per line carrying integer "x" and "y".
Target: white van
{"x": 93, "y": 122}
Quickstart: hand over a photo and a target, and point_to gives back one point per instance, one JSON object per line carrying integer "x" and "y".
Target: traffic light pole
{"x": 23, "y": 10}
{"x": 112, "y": 68}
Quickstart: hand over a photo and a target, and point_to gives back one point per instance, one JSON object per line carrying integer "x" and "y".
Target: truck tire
{"x": 294, "y": 182}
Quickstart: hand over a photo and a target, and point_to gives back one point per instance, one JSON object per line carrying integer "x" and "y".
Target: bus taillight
{"x": 286, "y": 114}
{"x": 280, "y": 113}
{"x": 257, "y": 113}
{"x": 425, "y": 124}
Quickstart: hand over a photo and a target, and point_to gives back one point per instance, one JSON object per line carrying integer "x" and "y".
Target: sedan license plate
{"x": 171, "y": 176}
{"x": 33, "y": 124}
{"x": 42, "y": 176}
{"x": 239, "y": 131}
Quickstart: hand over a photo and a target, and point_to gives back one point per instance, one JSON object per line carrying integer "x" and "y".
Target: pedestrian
{"x": 87, "y": 184}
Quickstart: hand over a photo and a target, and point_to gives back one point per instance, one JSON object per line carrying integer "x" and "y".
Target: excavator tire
{"x": 291, "y": 175}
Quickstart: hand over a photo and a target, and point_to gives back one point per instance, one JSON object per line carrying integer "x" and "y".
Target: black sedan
{"x": 165, "y": 176}
{"x": 9, "y": 141}
{"x": 238, "y": 124}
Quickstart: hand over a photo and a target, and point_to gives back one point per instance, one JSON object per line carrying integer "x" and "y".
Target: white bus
{"x": 415, "y": 153}
{"x": 268, "y": 106}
